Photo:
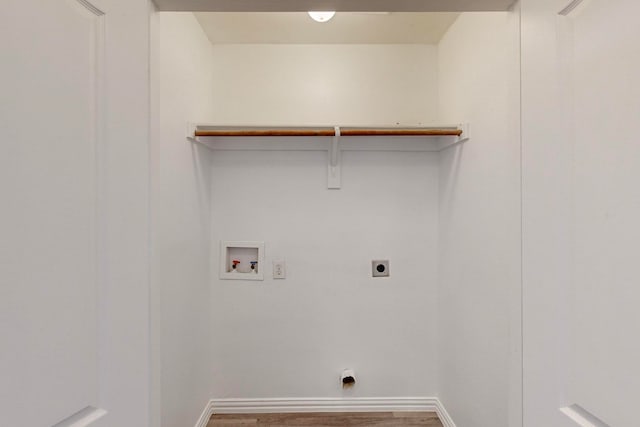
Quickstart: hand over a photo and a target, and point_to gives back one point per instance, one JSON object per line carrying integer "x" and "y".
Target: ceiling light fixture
{"x": 322, "y": 16}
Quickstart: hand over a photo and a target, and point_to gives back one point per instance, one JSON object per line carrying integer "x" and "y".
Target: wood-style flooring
{"x": 327, "y": 419}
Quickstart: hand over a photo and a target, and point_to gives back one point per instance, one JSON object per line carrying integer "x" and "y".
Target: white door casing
{"x": 74, "y": 231}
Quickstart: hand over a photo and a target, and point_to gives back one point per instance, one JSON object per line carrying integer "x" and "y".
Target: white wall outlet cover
{"x": 279, "y": 269}
{"x": 380, "y": 268}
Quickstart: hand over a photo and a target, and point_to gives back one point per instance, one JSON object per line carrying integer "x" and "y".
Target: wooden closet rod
{"x": 330, "y": 132}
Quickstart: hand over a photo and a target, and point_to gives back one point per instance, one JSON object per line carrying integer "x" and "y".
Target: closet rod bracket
{"x": 191, "y": 132}
{"x": 464, "y": 137}
{"x": 335, "y": 162}
{"x": 465, "y": 132}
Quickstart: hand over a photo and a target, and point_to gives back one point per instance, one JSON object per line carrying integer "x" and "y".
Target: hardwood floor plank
{"x": 415, "y": 415}
{"x": 216, "y": 423}
{"x": 331, "y": 419}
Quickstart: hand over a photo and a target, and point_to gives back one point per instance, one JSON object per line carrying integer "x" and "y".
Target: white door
{"x": 581, "y": 164}
{"x": 74, "y": 333}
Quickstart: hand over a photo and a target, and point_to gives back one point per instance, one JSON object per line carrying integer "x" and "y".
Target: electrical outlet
{"x": 279, "y": 269}
{"x": 380, "y": 268}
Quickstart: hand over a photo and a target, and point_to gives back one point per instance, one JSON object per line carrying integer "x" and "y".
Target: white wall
{"x": 479, "y": 279}
{"x": 263, "y": 330}
{"x": 579, "y": 90}
{"x": 181, "y": 218}
{"x": 292, "y": 337}
{"x": 325, "y": 84}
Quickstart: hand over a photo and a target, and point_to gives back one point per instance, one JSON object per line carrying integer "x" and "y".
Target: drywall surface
{"x": 581, "y": 278}
{"x": 479, "y": 276}
{"x": 293, "y": 337}
{"x": 325, "y": 84}
{"x": 181, "y": 218}
{"x": 345, "y": 28}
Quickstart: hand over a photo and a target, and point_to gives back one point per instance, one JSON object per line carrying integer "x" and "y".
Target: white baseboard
{"x": 444, "y": 416}
{"x": 206, "y": 415}
{"x": 363, "y": 404}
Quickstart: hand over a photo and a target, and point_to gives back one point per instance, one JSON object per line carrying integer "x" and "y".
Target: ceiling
{"x": 342, "y": 5}
{"x": 344, "y": 28}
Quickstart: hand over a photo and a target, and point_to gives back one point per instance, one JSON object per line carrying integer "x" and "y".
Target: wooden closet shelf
{"x": 238, "y": 132}
{"x": 426, "y": 138}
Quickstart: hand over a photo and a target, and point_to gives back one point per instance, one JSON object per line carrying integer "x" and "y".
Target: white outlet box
{"x": 244, "y": 253}
{"x": 279, "y": 269}
{"x": 380, "y": 268}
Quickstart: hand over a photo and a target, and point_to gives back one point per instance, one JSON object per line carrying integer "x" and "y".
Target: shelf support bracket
{"x": 465, "y": 133}
{"x": 191, "y": 132}
{"x": 335, "y": 162}
{"x": 464, "y": 137}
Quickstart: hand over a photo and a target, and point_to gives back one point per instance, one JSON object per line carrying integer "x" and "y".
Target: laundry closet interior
{"x": 319, "y": 150}
{"x": 227, "y": 208}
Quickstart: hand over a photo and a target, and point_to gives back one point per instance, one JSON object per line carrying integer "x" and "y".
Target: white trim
{"x": 570, "y": 7}
{"x": 206, "y": 415}
{"x": 91, "y": 8}
{"x": 365, "y": 404}
{"x": 444, "y": 416}
{"x": 582, "y": 417}
{"x": 298, "y": 405}
{"x": 339, "y": 6}
{"x": 83, "y": 418}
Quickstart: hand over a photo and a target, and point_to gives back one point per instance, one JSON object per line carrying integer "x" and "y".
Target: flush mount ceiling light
{"x": 322, "y": 16}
